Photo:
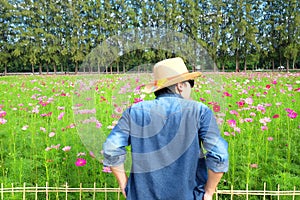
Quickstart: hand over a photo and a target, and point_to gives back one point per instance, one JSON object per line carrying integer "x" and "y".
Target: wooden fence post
{"x": 24, "y": 191}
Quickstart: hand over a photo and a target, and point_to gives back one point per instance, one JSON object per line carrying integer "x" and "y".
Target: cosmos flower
{"x": 80, "y": 162}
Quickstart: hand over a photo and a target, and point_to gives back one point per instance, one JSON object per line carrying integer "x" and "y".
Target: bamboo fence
{"x": 230, "y": 194}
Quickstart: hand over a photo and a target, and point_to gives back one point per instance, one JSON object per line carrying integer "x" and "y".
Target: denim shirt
{"x": 173, "y": 142}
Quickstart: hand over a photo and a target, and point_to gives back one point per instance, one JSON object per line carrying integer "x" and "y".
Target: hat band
{"x": 161, "y": 82}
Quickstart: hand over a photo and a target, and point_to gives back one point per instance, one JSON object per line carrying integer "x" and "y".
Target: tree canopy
{"x": 56, "y": 35}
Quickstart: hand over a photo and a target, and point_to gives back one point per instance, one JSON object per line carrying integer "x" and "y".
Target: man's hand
{"x": 207, "y": 196}
{"x": 121, "y": 176}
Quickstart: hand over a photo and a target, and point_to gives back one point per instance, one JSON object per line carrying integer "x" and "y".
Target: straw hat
{"x": 169, "y": 72}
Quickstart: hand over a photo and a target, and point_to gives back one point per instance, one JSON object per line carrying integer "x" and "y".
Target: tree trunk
{"x": 123, "y": 68}
{"x": 106, "y": 69}
{"x": 32, "y": 69}
{"x": 54, "y": 68}
{"x": 245, "y": 64}
{"x": 76, "y": 68}
{"x": 40, "y": 69}
{"x": 5, "y": 69}
{"x": 237, "y": 64}
{"x": 223, "y": 67}
{"x": 98, "y": 68}
{"x": 117, "y": 67}
{"x": 287, "y": 65}
{"x": 47, "y": 68}
{"x": 110, "y": 69}
{"x": 273, "y": 64}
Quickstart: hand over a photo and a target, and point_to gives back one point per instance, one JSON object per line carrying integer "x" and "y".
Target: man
{"x": 177, "y": 151}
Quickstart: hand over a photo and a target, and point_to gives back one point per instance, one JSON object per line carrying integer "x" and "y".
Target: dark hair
{"x": 167, "y": 90}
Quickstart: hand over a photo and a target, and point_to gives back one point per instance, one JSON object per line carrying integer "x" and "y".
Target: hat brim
{"x": 162, "y": 83}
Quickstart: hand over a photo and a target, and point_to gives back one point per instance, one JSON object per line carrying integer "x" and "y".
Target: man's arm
{"x": 121, "y": 176}
{"x": 211, "y": 184}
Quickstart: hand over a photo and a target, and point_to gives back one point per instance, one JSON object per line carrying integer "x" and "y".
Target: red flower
{"x": 275, "y": 116}
{"x": 268, "y": 86}
{"x": 216, "y": 108}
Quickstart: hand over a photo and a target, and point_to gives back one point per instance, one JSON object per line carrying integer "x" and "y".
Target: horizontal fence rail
{"x": 47, "y": 190}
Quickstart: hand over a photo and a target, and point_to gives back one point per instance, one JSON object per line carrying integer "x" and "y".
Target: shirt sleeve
{"x": 216, "y": 148}
{"x": 114, "y": 147}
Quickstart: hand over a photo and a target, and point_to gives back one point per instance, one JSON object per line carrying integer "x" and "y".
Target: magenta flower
{"x": 137, "y": 100}
{"x": 80, "y": 162}
{"x": 2, "y": 113}
{"x": 231, "y": 122}
{"x": 275, "y": 116}
{"x": 274, "y": 82}
{"x": 202, "y": 99}
{"x": 227, "y": 94}
{"x": 292, "y": 115}
{"x": 240, "y": 104}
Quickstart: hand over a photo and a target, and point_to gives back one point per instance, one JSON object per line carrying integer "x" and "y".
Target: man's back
{"x": 165, "y": 148}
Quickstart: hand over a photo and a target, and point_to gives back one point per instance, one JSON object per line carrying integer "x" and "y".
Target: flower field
{"x": 39, "y": 140}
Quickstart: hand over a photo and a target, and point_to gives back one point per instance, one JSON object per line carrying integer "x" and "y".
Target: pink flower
{"x": 274, "y": 82}
{"x": 43, "y": 129}
{"x": 249, "y": 101}
{"x": 252, "y": 114}
{"x": 263, "y": 128}
{"x": 297, "y": 90}
{"x": 231, "y": 122}
{"x": 248, "y": 120}
{"x": 48, "y": 148}
{"x": 51, "y": 134}
{"x": 55, "y": 146}
{"x": 3, "y": 121}
{"x": 254, "y": 165}
{"x": 98, "y": 124}
{"x": 60, "y": 116}
{"x": 270, "y": 138}
{"x": 92, "y": 154}
{"x": 2, "y": 113}
{"x": 106, "y": 169}
{"x": 237, "y": 129}
{"x": 80, "y": 162}
{"x": 227, "y": 133}
{"x": 24, "y": 128}
{"x": 66, "y": 148}
{"x": 265, "y": 120}
{"x": 118, "y": 110}
{"x": 234, "y": 112}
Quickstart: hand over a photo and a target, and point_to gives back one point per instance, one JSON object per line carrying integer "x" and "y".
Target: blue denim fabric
{"x": 167, "y": 137}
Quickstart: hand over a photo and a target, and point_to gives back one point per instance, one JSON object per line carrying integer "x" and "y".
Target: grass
{"x": 41, "y": 138}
